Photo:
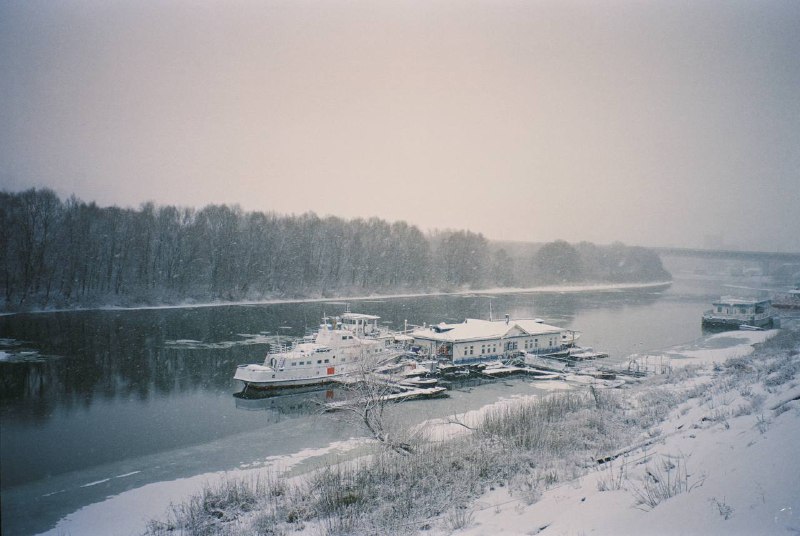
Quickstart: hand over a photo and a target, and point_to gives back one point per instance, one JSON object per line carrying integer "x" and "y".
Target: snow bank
{"x": 737, "y": 438}
{"x": 129, "y": 512}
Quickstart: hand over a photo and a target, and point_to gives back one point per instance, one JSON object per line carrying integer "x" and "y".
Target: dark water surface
{"x": 98, "y": 402}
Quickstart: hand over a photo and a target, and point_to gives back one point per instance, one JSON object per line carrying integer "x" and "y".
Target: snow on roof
{"x": 731, "y": 300}
{"x": 475, "y": 329}
{"x": 358, "y": 316}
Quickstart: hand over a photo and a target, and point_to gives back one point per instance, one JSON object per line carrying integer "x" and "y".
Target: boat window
{"x": 294, "y": 364}
{"x": 327, "y": 360}
{"x": 319, "y": 361}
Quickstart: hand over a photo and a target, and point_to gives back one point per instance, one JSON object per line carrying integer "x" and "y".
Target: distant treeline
{"x": 72, "y": 253}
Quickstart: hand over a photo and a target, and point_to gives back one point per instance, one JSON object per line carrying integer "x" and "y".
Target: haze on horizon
{"x": 652, "y": 123}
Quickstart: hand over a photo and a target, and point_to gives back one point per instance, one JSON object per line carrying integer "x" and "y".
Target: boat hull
{"x": 786, "y": 305}
{"x": 262, "y": 377}
{"x": 722, "y": 324}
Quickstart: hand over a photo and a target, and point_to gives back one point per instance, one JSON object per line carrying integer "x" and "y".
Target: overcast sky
{"x": 648, "y": 122}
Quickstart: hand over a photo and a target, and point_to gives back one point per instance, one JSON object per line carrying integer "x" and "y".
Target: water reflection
{"x": 135, "y": 354}
{"x": 280, "y": 405}
{"x": 111, "y": 385}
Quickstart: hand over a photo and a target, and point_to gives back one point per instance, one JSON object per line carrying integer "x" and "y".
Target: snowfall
{"x": 741, "y": 468}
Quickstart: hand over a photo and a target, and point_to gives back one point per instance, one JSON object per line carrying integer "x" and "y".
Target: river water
{"x": 95, "y": 403}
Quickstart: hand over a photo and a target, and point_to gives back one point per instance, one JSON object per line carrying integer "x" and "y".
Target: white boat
{"x": 420, "y": 382}
{"x": 787, "y": 300}
{"x": 570, "y": 337}
{"x": 351, "y": 344}
{"x": 731, "y": 313}
{"x": 585, "y": 354}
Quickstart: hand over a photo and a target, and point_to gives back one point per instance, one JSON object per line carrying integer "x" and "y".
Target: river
{"x": 95, "y": 403}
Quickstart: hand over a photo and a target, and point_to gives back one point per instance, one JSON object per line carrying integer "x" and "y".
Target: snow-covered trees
{"x": 69, "y": 253}
{"x": 55, "y": 252}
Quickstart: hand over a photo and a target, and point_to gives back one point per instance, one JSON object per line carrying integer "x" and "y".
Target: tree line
{"x": 56, "y": 252}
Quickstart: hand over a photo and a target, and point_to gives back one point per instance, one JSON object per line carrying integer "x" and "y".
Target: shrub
{"x": 662, "y": 481}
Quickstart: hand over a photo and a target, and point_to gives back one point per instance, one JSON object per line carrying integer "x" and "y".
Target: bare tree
{"x": 368, "y": 405}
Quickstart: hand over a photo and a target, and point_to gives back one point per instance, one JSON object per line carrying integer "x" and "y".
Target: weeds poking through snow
{"x": 215, "y": 506}
{"x": 611, "y": 480}
{"x": 762, "y": 423}
{"x": 459, "y": 517}
{"x": 725, "y": 510}
{"x": 663, "y": 480}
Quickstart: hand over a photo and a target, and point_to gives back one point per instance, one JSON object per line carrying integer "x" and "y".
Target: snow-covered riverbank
{"x": 600, "y": 287}
{"x": 722, "y": 462}
{"x": 732, "y": 433}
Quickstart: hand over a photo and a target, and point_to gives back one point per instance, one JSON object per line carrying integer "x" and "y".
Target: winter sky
{"x": 649, "y": 122}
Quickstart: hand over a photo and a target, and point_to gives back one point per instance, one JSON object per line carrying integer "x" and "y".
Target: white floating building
{"x": 476, "y": 340}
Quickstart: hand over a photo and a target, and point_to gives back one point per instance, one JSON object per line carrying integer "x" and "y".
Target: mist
{"x": 649, "y": 123}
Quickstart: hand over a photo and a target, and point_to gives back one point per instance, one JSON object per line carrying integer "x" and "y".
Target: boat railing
{"x": 282, "y": 348}
{"x": 711, "y": 313}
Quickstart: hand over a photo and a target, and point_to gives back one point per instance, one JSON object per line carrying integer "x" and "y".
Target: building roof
{"x": 356, "y": 316}
{"x": 730, "y": 300}
{"x": 474, "y": 329}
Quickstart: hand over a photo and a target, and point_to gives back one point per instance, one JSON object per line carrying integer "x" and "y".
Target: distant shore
{"x": 562, "y": 289}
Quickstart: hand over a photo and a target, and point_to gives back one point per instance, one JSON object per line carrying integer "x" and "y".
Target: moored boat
{"x": 732, "y": 313}
{"x": 350, "y": 344}
{"x": 787, "y": 300}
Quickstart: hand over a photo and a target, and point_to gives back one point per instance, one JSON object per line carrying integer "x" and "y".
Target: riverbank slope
{"x": 719, "y": 428}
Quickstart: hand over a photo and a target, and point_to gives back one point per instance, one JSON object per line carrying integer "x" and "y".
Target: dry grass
{"x": 527, "y": 447}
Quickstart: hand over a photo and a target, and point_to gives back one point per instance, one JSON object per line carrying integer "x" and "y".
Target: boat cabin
{"x": 361, "y": 325}
{"x": 728, "y": 306}
{"x": 474, "y": 340}
{"x": 733, "y": 313}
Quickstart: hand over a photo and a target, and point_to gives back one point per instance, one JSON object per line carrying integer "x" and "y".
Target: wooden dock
{"x": 404, "y": 393}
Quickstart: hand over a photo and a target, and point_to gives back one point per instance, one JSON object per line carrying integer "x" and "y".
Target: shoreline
{"x": 132, "y": 508}
{"x": 560, "y": 289}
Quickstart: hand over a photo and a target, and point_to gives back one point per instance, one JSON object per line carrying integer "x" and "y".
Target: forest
{"x": 70, "y": 253}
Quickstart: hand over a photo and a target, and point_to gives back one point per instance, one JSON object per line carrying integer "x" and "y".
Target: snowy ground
{"x": 729, "y": 452}
{"x": 737, "y": 443}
